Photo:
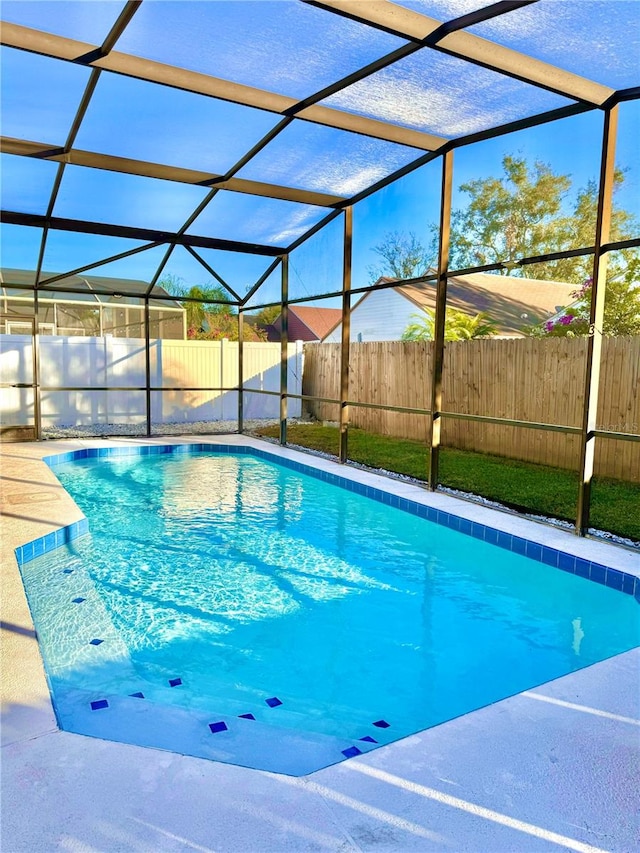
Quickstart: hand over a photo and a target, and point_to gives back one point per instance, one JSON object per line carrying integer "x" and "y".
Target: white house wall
{"x": 382, "y": 316}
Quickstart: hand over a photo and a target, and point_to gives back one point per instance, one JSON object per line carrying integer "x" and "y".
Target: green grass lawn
{"x": 615, "y": 504}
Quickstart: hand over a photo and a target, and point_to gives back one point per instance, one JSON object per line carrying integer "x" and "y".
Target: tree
{"x": 513, "y": 216}
{"x": 213, "y": 300}
{"x": 458, "y": 326}
{"x": 224, "y": 325}
{"x": 523, "y": 213}
{"x": 267, "y": 315}
{"x": 404, "y": 256}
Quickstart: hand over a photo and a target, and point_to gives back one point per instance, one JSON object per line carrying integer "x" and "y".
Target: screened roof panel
{"x": 76, "y": 19}
{"x": 315, "y": 267}
{"x": 597, "y": 39}
{"x": 283, "y": 46}
{"x": 321, "y": 158}
{"x": 20, "y": 247}
{"x": 627, "y": 196}
{"x": 239, "y": 270}
{"x": 80, "y": 293}
{"x": 66, "y": 251}
{"x": 164, "y": 125}
{"x": 16, "y": 278}
{"x": 40, "y": 96}
{"x": 442, "y": 94}
{"x": 26, "y": 183}
{"x": 82, "y": 288}
{"x": 101, "y": 196}
{"x": 292, "y": 49}
{"x": 443, "y": 10}
{"x": 14, "y": 292}
{"x": 254, "y": 219}
{"x": 141, "y": 266}
{"x": 183, "y": 272}
{"x": 269, "y": 291}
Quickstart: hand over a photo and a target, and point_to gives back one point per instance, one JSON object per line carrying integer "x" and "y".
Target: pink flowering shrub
{"x": 574, "y": 322}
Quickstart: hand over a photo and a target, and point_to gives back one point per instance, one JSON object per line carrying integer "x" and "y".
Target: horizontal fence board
{"x": 539, "y": 380}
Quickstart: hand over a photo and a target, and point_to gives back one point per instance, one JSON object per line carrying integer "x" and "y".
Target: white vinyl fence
{"x": 179, "y": 367}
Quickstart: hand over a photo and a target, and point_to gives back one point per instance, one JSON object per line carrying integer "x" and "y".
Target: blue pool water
{"x": 229, "y": 607}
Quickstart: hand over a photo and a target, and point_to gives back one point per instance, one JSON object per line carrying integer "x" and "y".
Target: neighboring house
{"x": 85, "y": 312}
{"x": 305, "y": 323}
{"x": 511, "y": 303}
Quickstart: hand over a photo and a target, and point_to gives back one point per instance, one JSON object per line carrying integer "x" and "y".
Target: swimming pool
{"x": 231, "y": 607}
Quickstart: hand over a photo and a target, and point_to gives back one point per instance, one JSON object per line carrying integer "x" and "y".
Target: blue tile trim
{"x": 596, "y": 572}
{"x": 566, "y": 562}
{"x": 45, "y": 544}
{"x": 614, "y": 579}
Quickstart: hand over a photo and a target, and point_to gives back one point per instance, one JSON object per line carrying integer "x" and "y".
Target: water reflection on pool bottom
{"x": 215, "y": 583}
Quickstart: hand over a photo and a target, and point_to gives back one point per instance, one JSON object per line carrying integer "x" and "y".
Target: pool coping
{"x": 482, "y": 750}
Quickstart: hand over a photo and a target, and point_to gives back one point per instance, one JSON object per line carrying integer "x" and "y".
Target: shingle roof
{"x": 306, "y": 323}
{"x": 512, "y": 303}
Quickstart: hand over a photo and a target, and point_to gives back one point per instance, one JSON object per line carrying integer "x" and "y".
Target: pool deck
{"x": 554, "y": 768}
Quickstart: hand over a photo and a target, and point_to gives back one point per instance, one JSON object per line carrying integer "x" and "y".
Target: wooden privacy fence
{"x": 528, "y": 379}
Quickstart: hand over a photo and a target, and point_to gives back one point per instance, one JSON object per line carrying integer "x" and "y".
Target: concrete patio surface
{"x": 553, "y": 768}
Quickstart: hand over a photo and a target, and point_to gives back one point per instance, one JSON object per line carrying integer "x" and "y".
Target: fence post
{"x": 221, "y": 378}
{"x": 240, "y": 371}
{"x": 147, "y": 353}
{"x": 284, "y": 348}
{"x": 346, "y": 334}
{"x": 438, "y": 332}
{"x": 596, "y": 317}
{"x": 35, "y": 346}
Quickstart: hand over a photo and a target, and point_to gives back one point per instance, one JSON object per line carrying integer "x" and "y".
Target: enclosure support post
{"x": 596, "y": 317}
{"x": 437, "y": 353}
{"x": 147, "y": 362}
{"x": 284, "y": 348}
{"x": 37, "y": 419}
{"x": 346, "y": 334}
{"x": 240, "y": 371}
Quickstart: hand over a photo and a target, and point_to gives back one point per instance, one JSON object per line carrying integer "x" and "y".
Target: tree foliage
{"x": 530, "y": 210}
{"x": 508, "y": 217}
{"x": 621, "y": 308}
{"x": 267, "y": 316}
{"x": 209, "y": 318}
{"x": 403, "y": 256}
{"x": 458, "y": 326}
{"x": 224, "y": 325}
{"x": 527, "y": 212}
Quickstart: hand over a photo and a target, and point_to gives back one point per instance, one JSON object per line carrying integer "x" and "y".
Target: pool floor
{"x": 209, "y": 669}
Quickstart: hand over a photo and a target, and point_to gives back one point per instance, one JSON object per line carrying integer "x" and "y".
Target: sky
{"x": 284, "y": 50}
